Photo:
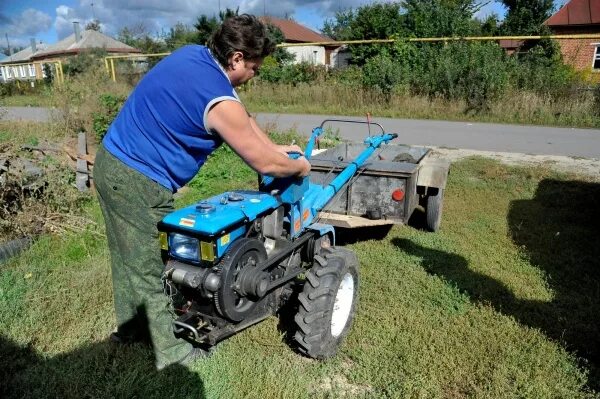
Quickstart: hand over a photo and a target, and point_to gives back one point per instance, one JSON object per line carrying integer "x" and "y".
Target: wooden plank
{"x": 81, "y": 144}
{"x": 82, "y": 175}
{"x": 349, "y": 221}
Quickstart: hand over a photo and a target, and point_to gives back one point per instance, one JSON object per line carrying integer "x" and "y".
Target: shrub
{"x": 19, "y": 88}
{"x": 293, "y": 74}
{"x": 541, "y": 70}
{"x": 83, "y": 61}
{"x": 474, "y": 72}
{"x": 382, "y": 74}
{"x": 110, "y": 106}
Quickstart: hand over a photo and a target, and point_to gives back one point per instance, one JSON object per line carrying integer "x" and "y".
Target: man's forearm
{"x": 261, "y": 135}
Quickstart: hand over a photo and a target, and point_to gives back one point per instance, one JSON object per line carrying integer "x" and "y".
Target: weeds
{"x": 37, "y": 192}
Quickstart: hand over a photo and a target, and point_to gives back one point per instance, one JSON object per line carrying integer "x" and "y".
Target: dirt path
{"x": 582, "y": 166}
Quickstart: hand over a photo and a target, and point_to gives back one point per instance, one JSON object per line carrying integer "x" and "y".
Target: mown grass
{"x": 519, "y": 107}
{"x": 26, "y": 100}
{"x": 501, "y": 303}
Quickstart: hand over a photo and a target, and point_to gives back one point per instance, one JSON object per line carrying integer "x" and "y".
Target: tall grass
{"x": 578, "y": 109}
{"x": 495, "y": 305}
{"x": 80, "y": 97}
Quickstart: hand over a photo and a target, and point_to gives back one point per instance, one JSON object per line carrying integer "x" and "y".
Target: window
{"x": 32, "y": 70}
{"x": 596, "y": 65}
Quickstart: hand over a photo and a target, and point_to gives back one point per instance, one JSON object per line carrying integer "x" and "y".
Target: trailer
{"x": 387, "y": 189}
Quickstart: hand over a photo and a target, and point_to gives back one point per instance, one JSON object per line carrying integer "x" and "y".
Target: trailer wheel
{"x": 327, "y": 303}
{"x": 433, "y": 209}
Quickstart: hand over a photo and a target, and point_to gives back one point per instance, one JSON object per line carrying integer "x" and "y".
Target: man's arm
{"x": 230, "y": 120}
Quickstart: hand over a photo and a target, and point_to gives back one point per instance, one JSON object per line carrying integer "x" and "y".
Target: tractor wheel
{"x": 327, "y": 303}
{"x": 433, "y": 209}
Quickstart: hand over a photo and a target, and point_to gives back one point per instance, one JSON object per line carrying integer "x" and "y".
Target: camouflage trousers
{"x": 132, "y": 205}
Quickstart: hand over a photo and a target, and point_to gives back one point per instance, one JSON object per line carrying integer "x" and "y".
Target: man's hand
{"x": 305, "y": 167}
{"x": 284, "y": 149}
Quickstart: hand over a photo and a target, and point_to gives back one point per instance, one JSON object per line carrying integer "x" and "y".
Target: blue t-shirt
{"x": 161, "y": 129}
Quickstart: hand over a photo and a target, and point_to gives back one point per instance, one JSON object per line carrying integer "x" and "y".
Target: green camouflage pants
{"x": 132, "y": 205}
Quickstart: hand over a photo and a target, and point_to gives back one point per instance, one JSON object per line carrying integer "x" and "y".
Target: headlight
{"x": 184, "y": 247}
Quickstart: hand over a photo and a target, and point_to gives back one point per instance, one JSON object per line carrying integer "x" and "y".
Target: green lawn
{"x": 503, "y": 302}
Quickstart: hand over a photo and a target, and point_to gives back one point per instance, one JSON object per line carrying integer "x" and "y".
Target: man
{"x": 178, "y": 114}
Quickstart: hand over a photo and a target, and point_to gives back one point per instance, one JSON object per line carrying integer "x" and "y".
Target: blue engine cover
{"x": 216, "y": 215}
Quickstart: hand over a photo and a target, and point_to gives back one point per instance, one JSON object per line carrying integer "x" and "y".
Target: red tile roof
{"x": 576, "y": 12}
{"x": 294, "y": 32}
{"x": 510, "y": 44}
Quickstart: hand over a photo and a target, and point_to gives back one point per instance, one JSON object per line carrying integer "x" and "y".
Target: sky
{"x": 49, "y": 21}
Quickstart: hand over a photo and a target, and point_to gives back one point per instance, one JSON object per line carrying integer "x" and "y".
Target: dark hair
{"x": 244, "y": 33}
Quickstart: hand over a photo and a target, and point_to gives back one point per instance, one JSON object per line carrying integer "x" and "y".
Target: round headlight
{"x": 184, "y": 247}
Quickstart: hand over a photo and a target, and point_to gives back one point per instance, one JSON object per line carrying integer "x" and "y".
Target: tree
{"x": 281, "y": 55}
{"x": 207, "y": 25}
{"x": 94, "y": 25}
{"x": 138, "y": 36}
{"x": 526, "y": 17}
{"x": 490, "y": 26}
{"x": 440, "y": 18}
{"x": 374, "y": 21}
{"x": 180, "y": 35}
{"x": 338, "y": 28}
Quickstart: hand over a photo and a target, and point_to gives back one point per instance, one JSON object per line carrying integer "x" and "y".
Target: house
{"x": 28, "y": 63}
{"x": 578, "y": 17}
{"x": 311, "y": 52}
{"x": 18, "y": 66}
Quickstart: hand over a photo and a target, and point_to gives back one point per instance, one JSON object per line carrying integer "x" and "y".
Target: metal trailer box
{"x": 368, "y": 200}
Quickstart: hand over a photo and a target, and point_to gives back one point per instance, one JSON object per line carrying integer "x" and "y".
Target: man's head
{"x": 240, "y": 44}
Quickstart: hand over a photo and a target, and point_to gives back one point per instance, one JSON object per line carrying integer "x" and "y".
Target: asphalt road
{"x": 475, "y": 136}
{"x": 536, "y": 140}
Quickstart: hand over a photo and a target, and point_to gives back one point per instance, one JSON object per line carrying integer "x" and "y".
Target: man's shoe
{"x": 120, "y": 339}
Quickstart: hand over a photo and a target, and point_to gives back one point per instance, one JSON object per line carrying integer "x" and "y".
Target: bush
{"x": 474, "y": 72}
{"x": 110, "y": 106}
{"x": 382, "y": 74}
{"x": 83, "y": 61}
{"x": 351, "y": 76}
{"x": 293, "y": 74}
{"x": 542, "y": 70}
{"x": 19, "y": 88}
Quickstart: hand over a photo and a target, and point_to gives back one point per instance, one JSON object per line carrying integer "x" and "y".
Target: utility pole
{"x": 8, "y": 44}
{"x": 264, "y": 8}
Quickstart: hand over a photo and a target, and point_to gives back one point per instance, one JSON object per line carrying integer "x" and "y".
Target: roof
{"x": 509, "y": 44}
{"x": 89, "y": 39}
{"x": 576, "y": 12}
{"x": 23, "y": 55}
{"x": 294, "y": 32}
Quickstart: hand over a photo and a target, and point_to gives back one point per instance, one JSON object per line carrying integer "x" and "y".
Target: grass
{"x": 501, "y": 303}
{"x": 26, "y": 100}
{"x": 518, "y": 107}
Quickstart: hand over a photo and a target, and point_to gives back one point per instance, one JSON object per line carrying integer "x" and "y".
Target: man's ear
{"x": 236, "y": 58}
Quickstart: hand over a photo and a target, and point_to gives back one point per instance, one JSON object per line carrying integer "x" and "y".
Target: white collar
{"x": 219, "y": 64}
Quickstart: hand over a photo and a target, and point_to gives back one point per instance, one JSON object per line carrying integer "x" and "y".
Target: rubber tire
{"x": 317, "y": 299}
{"x": 433, "y": 210}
